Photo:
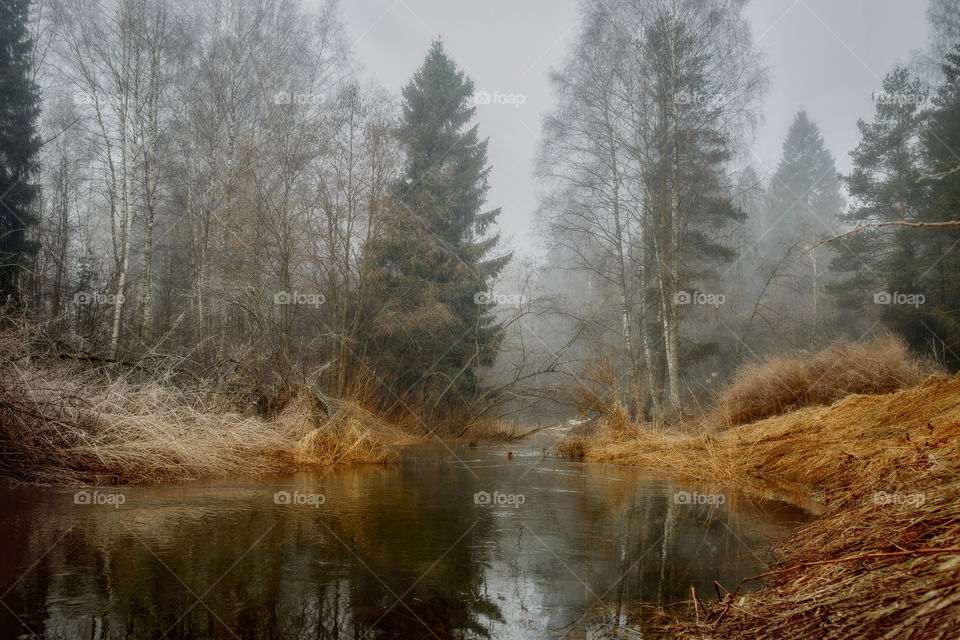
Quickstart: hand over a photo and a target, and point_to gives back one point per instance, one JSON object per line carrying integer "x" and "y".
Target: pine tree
{"x": 883, "y": 184}
{"x": 436, "y": 263}
{"x": 19, "y": 145}
{"x": 936, "y": 258}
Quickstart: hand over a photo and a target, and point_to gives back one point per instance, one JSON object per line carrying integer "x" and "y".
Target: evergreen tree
{"x": 937, "y": 259}
{"x": 436, "y": 263}
{"x": 803, "y": 206}
{"x": 691, "y": 213}
{"x": 805, "y": 194}
{"x": 19, "y": 145}
{"x": 883, "y": 184}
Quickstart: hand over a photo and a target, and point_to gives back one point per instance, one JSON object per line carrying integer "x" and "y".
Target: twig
{"x": 894, "y": 223}
{"x": 718, "y": 587}
{"x": 938, "y": 176}
{"x": 696, "y": 600}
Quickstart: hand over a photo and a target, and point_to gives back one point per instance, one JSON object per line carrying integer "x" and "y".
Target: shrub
{"x": 783, "y": 383}
{"x": 64, "y": 421}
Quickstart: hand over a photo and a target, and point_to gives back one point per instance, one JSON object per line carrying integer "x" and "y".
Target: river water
{"x": 448, "y": 543}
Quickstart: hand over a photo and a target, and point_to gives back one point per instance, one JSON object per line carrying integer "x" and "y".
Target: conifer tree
{"x": 19, "y": 145}
{"x": 436, "y": 262}
{"x": 805, "y": 189}
{"x": 937, "y": 260}
{"x": 883, "y": 184}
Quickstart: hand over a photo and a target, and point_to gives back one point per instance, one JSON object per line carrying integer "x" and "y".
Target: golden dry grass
{"x": 867, "y": 568}
{"x": 787, "y": 382}
{"x": 64, "y": 422}
{"x": 822, "y": 448}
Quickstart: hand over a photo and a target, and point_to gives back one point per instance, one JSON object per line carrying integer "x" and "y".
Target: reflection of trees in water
{"x": 426, "y": 615}
{"x": 299, "y": 581}
{"x": 645, "y": 551}
{"x": 310, "y": 574}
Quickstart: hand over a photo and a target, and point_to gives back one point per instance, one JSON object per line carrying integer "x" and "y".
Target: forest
{"x": 230, "y": 254}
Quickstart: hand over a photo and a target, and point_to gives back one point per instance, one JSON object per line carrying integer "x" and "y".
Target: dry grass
{"x": 62, "y": 421}
{"x": 574, "y": 448}
{"x": 597, "y": 393}
{"x": 865, "y": 569}
{"x": 835, "y": 448}
{"x": 784, "y": 383}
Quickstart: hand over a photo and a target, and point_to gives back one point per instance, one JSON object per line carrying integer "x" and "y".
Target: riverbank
{"x": 68, "y": 417}
{"x": 115, "y": 435}
{"x": 883, "y": 560}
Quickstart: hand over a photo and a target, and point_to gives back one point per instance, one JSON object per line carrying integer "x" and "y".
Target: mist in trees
{"x": 637, "y": 156}
{"x": 217, "y": 186}
{"x": 214, "y": 183}
{"x": 688, "y": 258}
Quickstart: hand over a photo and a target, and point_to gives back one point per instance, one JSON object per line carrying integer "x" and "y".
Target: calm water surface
{"x": 449, "y": 543}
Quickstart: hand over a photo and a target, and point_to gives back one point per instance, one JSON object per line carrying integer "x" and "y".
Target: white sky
{"x": 826, "y": 55}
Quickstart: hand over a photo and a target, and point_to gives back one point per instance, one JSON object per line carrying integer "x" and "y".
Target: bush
{"x": 66, "y": 418}
{"x": 783, "y": 383}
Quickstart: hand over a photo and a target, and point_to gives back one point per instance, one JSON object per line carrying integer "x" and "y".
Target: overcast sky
{"x": 825, "y": 55}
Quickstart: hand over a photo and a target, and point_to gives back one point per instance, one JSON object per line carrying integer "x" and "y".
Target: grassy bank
{"x": 883, "y": 560}
{"x": 66, "y": 418}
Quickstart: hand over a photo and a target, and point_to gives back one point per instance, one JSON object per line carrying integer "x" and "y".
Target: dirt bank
{"x": 883, "y": 560}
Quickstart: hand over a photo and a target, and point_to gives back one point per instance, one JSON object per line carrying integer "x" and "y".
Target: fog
{"x": 424, "y": 271}
{"x": 477, "y": 208}
{"x": 825, "y": 56}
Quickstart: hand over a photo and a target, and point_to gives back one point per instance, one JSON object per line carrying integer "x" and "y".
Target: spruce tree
{"x": 805, "y": 189}
{"x": 19, "y": 145}
{"x": 804, "y": 202}
{"x": 435, "y": 261}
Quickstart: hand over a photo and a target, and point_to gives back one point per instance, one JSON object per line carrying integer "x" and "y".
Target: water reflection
{"x": 407, "y": 551}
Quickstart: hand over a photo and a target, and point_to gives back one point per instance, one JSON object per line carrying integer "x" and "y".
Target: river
{"x": 451, "y": 542}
